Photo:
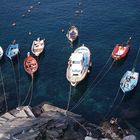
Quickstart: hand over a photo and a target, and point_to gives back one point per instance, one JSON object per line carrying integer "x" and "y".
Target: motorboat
{"x": 37, "y": 46}
{"x": 78, "y": 65}
{"x": 12, "y": 50}
{"x": 129, "y": 81}
{"x": 72, "y": 34}
{"x": 1, "y": 52}
{"x": 120, "y": 51}
{"x": 30, "y": 64}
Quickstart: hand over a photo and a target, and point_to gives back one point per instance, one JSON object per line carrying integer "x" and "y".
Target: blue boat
{"x": 12, "y": 50}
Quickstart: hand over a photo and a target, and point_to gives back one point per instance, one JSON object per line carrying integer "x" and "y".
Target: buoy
{"x": 62, "y": 30}
{"x": 29, "y": 10}
{"x": 23, "y": 15}
{"x": 31, "y": 7}
{"x": 30, "y": 33}
{"x": 39, "y": 2}
{"x": 14, "y": 24}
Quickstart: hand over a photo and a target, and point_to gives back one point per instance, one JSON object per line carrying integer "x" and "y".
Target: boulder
{"x": 130, "y": 137}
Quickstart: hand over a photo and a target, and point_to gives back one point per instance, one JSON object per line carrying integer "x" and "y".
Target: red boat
{"x": 120, "y": 51}
{"x": 30, "y": 64}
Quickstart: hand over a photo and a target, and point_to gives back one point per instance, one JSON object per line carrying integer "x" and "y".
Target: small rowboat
{"x": 78, "y": 65}
{"x": 1, "y": 52}
{"x": 129, "y": 81}
{"x": 12, "y": 50}
{"x": 30, "y": 64}
{"x": 72, "y": 34}
{"x": 120, "y": 51}
{"x": 37, "y": 46}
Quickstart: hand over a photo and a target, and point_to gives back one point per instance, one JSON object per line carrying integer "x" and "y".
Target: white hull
{"x": 72, "y": 34}
{"x": 129, "y": 81}
{"x": 37, "y": 47}
{"x": 1, "y": 52}
{"x": 73, "y": 78}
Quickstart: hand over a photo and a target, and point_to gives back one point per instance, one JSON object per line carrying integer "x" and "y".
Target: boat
{"x": 78, "y": 65}
{"x": 12, "y": 50}
{"x": 129, "y": 81}
{"x": 120, "y": 50}
{"x": 1, "y": 52}
{"x": 72, "y": 34}
{"x": 37, "y": 46}
{"x": 30, "y": 64}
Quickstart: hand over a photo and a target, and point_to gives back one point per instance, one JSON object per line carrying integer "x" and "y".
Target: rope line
{"x": 3, "y": 87}
{"x": 31, "y": 91}
{"x": 115, "y": 99}
{"x": 19, "y": 79}
{"x": 68, "y": 104}
{"x": 136, "y": 59}
{"x": 84, "y": 96}
{"x": 27, "y": 95}
{"x": 15, "y": 82}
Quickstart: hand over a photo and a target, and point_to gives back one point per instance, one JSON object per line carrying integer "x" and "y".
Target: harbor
{"x": 41, "y": 60}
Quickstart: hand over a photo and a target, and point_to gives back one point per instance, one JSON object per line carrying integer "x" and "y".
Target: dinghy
{"x": 72, "y": 34}
{"x": 1, "y": 52}
{"x": 78, "y": 65}
{"x": 120, "y": 51}
{"x": 129, "y": 81}
{"x": 12, "y": 50}
{"x": 30, "y": 64}
{"x": 37, "y": 46}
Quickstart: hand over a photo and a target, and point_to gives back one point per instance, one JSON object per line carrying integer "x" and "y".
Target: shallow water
{"x": 102, "y": 25}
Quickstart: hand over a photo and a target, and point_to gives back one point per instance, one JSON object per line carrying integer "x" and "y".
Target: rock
{"x": 8, "y": 116}
{"x": 89, "y": 138}
{"x": 20, "y": 114}
{"x": 130, "y": 137}
{"x": 28, "y": 111}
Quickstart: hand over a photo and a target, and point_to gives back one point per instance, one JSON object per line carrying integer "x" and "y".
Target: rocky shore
{"x": 47, "y": 122}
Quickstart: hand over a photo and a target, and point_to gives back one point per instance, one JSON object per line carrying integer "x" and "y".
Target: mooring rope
{"x": 3, "y": 87}
{"x": 84, "y": 96}
{"x": 118, "y": 104}
{"x": 19, "y": 79}
{"x": 68, "y": 104}
{"x": 15, "y": 81}
{"x": 136, "y": 59}
{"x": 27, "y": 95}
{"x": 112, "y": 105}
{"x": 31, "y": 91}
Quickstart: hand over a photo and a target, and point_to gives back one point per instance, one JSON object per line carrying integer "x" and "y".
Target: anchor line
{"x": 118, "y": 105}
{"x": 79, "y": 124}
{"x": 4, "y": 91}
{"x": 27, "y": 95}
{"x": 136, "y": 59}
{"x": 31, "y": 91}
{"x": 19, "y": 78}
{"x": 84, "y": 96}
{"x": 68, "y": 104}
{"x": 111, "y": 107}
{"x": 15, "y": 82}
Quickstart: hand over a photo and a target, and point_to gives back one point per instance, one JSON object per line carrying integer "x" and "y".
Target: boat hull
{"x": 1, "y": 52}
{"x": 129, "y": 81}
{"x": 120, "y": 52}
{"x": 74, "y": 79}
{"x": 37, "y": 47}
{"x": 72, "y": 34}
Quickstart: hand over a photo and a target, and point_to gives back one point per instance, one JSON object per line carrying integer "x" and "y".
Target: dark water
{"x": 102, "y": 25}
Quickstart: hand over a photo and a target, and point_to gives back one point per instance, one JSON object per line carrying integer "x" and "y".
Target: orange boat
{"x": 30, "y": 64}
{"x": 120, "y": 51}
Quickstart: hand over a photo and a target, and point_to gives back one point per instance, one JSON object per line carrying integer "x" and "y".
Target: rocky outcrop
{"x": 47, "y": 122}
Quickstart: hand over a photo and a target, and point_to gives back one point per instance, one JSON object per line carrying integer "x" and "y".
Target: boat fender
{"x": 90, "y": 64}
{"x": 88, "y": 71}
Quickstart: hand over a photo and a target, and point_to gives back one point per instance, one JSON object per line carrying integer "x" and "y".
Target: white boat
{"x": 37, "y": 46}
{"x": 129, "y": 81}
{"x": 78, "y": 65}
{"x": 72, "y": 34}
{"x": 12, "y": 50}
{"x": 1, "y": 52}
